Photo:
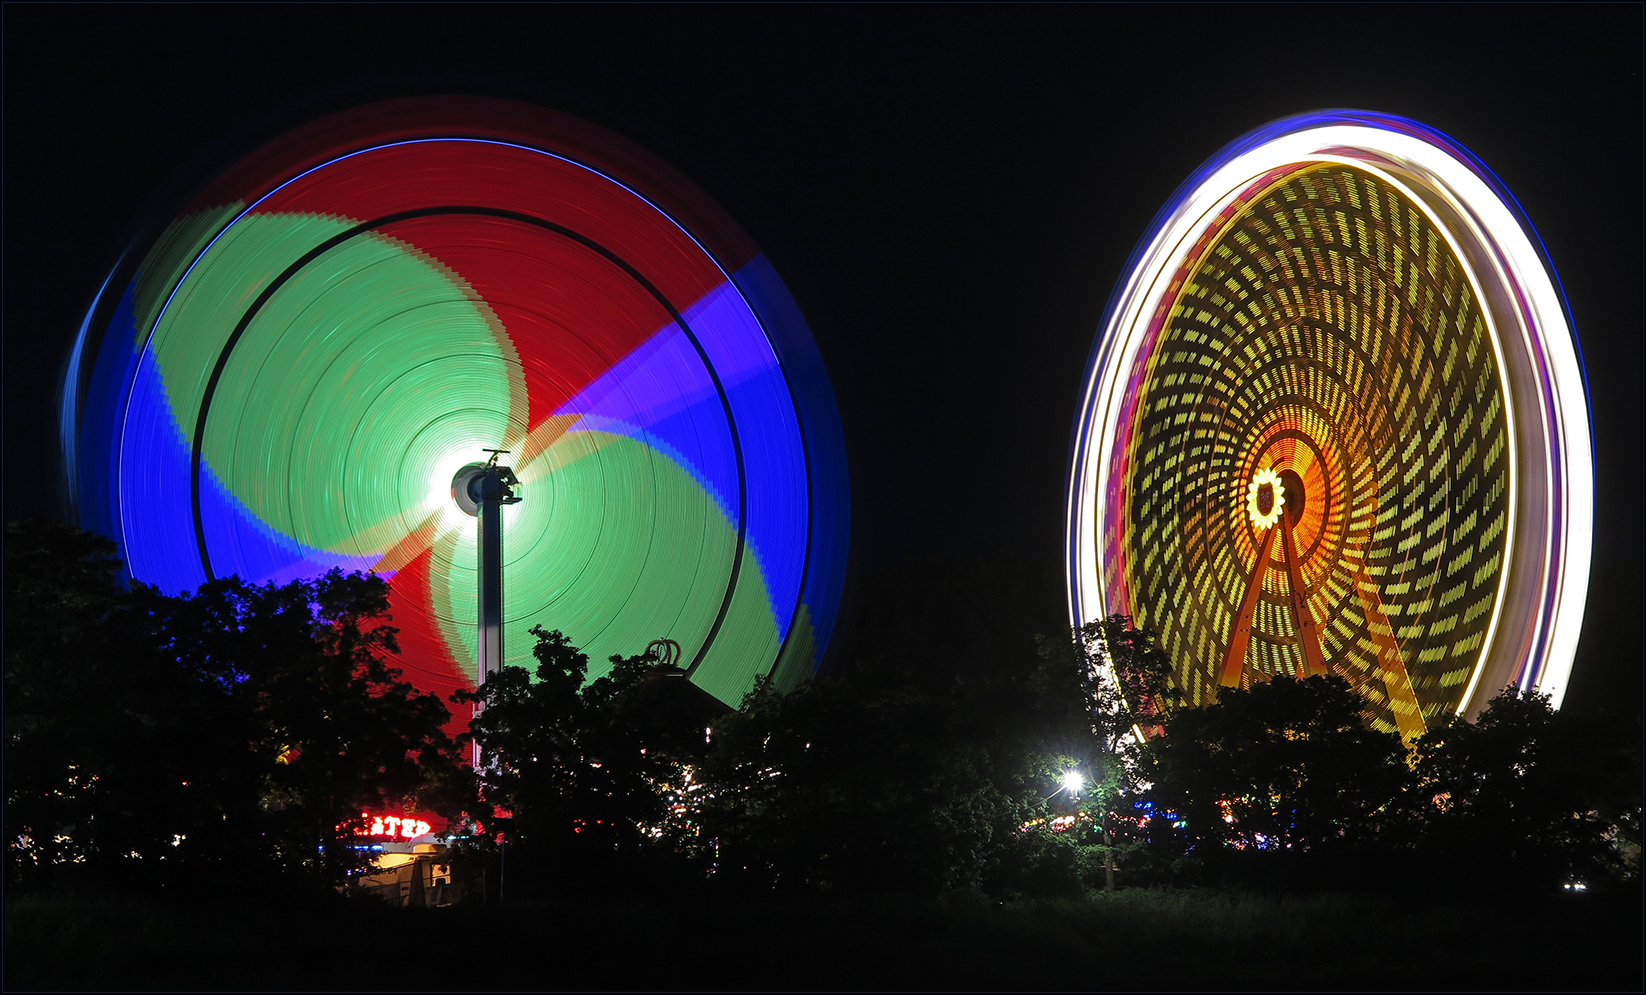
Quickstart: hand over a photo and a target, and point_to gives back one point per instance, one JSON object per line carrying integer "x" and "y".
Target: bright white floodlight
{"x": 1073, "y": 781}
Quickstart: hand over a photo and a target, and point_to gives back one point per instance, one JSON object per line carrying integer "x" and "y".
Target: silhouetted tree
{"x": 236, "y": 730}
{"x": 588, "y": 781}
{"x": 313, "y": 715}
{"x": 83, "y": 706}
{"x": 1283, "y": 765}
{"x": 1528, "y": 798}
{"x": 864, "y": 780}
{"x": 1107, "y": 686}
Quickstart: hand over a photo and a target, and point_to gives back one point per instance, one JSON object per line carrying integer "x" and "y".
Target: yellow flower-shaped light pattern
{"x": 1265, "y": 499}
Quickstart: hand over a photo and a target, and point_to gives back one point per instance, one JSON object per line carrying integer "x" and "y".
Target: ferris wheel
{"x": 287, "y": 376}
{"x": 1336, "y": 421}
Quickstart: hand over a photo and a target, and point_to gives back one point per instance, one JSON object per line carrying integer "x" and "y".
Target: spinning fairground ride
{"x": 306, "y": 366}
{"x": 1335, "y": 422}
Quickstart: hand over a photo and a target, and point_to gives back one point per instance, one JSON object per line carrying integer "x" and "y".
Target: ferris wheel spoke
{"x": 1397, "y": 682}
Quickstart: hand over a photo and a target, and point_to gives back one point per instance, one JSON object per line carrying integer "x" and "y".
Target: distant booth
{"x": 411, "y": 866}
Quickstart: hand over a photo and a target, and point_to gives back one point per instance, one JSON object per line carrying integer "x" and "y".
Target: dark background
{"x": 950, "y": 193}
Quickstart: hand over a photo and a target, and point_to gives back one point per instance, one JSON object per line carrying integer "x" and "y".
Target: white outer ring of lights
{"x": 1431, "y": 176}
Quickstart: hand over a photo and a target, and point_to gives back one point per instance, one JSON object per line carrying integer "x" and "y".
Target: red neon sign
{"x": 401, "y": 826}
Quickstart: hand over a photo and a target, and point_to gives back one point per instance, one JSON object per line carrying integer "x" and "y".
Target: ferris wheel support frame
{"x": 1240, "y": 634}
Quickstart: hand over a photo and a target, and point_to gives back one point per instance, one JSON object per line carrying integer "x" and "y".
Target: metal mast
{"x": 482, "y": 489}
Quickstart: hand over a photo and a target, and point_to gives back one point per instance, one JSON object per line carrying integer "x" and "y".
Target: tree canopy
{"x": 1280, "y": 765}
{"x": 239, "y": 728}
{"x": 1550, "y": 794}
{"x": 243, "y": 729}
{"x": 591, "y": 781}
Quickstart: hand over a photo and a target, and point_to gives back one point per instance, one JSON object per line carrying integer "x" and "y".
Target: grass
{"x": 1128, "y": 940}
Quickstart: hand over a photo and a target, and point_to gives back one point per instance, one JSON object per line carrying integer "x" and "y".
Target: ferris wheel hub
{"x": 1265, "y": 499}
{"x": 1293, "y": 495}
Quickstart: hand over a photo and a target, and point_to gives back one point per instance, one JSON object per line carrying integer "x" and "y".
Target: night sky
{"x": 949, "y": 192}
